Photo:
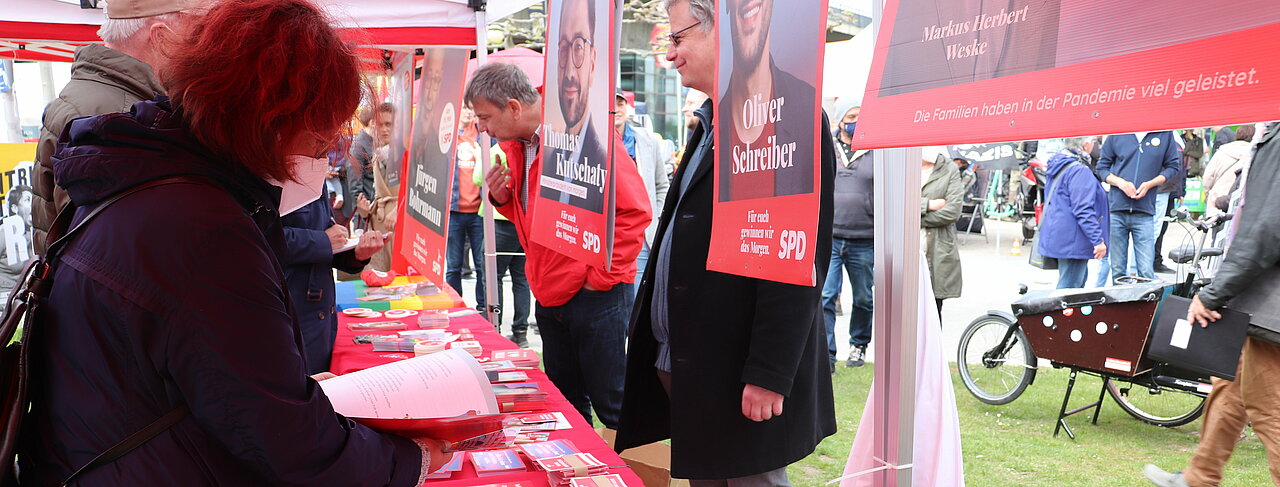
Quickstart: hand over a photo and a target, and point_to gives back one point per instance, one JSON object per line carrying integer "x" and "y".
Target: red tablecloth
{"x": 350, "y": 357}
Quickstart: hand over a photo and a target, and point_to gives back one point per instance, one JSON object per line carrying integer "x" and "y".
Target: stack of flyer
{"x": 520, "y": 396}
{"x": 496, "y": 462}
{"x": 521, "y": 357}
{"x": 611, "y": 480}
{"x": 565, "y": 467}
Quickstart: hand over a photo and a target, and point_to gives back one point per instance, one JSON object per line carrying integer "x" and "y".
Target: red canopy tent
{"x": 50, "y": 30}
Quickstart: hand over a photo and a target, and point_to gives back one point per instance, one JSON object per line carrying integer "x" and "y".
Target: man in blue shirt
{"x": 1135, "y": 165}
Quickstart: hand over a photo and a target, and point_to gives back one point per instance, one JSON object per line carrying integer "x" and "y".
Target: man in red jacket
{"x": 582, "y": 310}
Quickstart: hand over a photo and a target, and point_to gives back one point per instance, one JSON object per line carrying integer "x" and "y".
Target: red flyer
{"x": 429, "y": 172}
{"x": 968, "y": 71}
{"x": 575, "y": 188}
{"x": 767, "y": 130}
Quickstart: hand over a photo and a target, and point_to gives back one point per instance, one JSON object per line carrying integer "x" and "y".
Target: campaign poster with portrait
{"x": 572, "y": 214}
{"x": 400, "y": 94}
{"x": 969, "y": 71}
{"x": 768, "y": 117}
{"x": 428, "y": 177}
{"x": 15, "y": 212}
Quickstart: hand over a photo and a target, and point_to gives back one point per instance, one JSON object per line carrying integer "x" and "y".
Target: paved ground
{"x": 992, "y": 275}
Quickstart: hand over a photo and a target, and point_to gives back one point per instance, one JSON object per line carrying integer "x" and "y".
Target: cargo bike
{"x": 1104, "y": 332}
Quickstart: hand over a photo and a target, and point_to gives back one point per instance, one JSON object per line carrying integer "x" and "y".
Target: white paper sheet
{"x": 439, "y": 385}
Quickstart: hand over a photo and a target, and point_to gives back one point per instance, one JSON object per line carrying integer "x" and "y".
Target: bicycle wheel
{"x": 995, "y": 370}
{"x": 1158, "y": 405}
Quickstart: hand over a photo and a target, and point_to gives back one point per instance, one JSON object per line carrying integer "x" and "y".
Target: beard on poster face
{"x": 749, "y": 21}
{"x": 574, "y": 88}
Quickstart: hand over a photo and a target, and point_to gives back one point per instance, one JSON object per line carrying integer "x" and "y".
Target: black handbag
{"x": 22, "y": 311}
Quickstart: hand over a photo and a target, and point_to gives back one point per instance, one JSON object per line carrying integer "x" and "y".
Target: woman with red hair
{"x": 171, "y": 302}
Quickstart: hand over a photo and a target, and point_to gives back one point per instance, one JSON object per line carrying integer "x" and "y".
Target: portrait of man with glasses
{"x": 574, "y": 159}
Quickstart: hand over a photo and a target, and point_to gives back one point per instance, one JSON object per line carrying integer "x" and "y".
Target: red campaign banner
{"x": 967, "y": 71}
{"x": 575, "y": 187}
{"x": 767, "y": 126}
{"x": 429, "y": 174}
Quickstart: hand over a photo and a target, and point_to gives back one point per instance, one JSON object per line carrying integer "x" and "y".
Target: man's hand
{"x": 497, "y": 181}
{"x": 337, "y": 236}
{"x": 370, "y": 243}
{"x": 760, "y": 404}
{"x": 1142, "y": 190}
{"x": 1197, "y": 313}
{"x": 937, "y": 204}
{"x": 323, "y": 376}
{"x": 1100, "y": 250}
{"x": 1126, "y": 187}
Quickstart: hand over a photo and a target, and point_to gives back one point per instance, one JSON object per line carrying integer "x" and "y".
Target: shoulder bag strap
{"x": 42, "y": 285}
{"x": 1058, "y": 180}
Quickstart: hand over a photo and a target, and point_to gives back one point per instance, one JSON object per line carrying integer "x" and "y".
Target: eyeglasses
{"x": 577, "y": 50}
{"x": 676, "y": 36}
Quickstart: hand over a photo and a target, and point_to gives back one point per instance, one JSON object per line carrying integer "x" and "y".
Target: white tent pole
{"x": 490, "y": 275}
{"x": 897, "y": 303}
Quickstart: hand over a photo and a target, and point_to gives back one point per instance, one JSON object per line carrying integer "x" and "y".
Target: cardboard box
{"x": 652, "y": 462}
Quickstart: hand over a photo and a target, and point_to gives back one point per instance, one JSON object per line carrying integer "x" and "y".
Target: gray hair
{"x": 1075, "y": 143}
{"x": 123, "y": 31}
{"x": 498, "y": 82}
{"x": 704, "y": 11}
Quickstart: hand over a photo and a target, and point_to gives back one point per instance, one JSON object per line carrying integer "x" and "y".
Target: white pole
{"x": 897, "y": 304}
{"x": 491, "y": 290}
{"x": 11, "y": 129}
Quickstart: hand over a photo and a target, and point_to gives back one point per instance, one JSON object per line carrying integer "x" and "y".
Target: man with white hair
{"x": 105, "y": 78}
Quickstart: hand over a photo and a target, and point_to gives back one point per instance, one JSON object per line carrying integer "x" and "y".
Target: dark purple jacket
{"x": 175, "y": 295}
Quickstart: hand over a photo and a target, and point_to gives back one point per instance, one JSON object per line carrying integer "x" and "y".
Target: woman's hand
{"x": 363, "y": 206}
{"x": 338, "y": 236}
{"x": 370, "y": 243}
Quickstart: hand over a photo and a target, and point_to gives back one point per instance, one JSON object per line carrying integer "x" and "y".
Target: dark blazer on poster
{"x": 592, "y": 148}
{"x": 725, "y": 331}
{"x": 798, "y": 178}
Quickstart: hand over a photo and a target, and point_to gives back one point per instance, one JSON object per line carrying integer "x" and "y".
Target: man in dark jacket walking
{"x": 714, "y": 357}
{"x": 1076, "y": 221}
{"x": 1135, "y": 165}
{"x": 105, "y": 78}
{"x": 853, "y": 247}
{"x": 1249, "y": 281}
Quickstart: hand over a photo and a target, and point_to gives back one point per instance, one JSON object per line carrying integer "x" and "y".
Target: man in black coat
{"x": 735, "y": 370}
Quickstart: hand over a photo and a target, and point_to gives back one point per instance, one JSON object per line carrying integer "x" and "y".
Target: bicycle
{"x": 997, "y": 362}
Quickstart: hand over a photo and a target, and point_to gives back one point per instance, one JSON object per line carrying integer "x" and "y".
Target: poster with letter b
{"x": 767, "y": 128}
{"x": 574, "y": 189}
{"x": 429, "y": 174}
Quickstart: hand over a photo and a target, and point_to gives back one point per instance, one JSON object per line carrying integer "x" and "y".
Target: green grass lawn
{"x": 1013, "y": 444}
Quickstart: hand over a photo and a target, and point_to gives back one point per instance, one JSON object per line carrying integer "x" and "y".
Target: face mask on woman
{"x": 310, "y": 173}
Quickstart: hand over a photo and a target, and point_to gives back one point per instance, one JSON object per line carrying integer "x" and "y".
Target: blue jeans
{"x": 1138, "y": 228}
{"x": 463, "y": 227}
{"x": 507, "y": 241}
{"x": 1072, "y": 273}
{"x": 857, "y": 257}
{"x": 584, "y": 349}
{"x": 642, "y": 260}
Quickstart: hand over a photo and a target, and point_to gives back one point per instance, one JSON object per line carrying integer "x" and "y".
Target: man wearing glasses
{"x": 734, "y": 370}
{"x": 577, "y": 155}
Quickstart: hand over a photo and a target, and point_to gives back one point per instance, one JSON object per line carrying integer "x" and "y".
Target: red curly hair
{"x": 255, "y": 74}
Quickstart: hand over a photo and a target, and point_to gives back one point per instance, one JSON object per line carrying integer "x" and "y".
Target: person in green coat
{"x": 941, "y": 196}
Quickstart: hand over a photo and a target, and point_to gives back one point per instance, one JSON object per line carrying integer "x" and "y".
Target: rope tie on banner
{"x": 885, "y": 466}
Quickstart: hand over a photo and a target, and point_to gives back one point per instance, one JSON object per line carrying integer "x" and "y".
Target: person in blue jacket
{"x": 1135, "y": 165}
{"x": 311, "y": 237}
{"x": 1076, "y": 221}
